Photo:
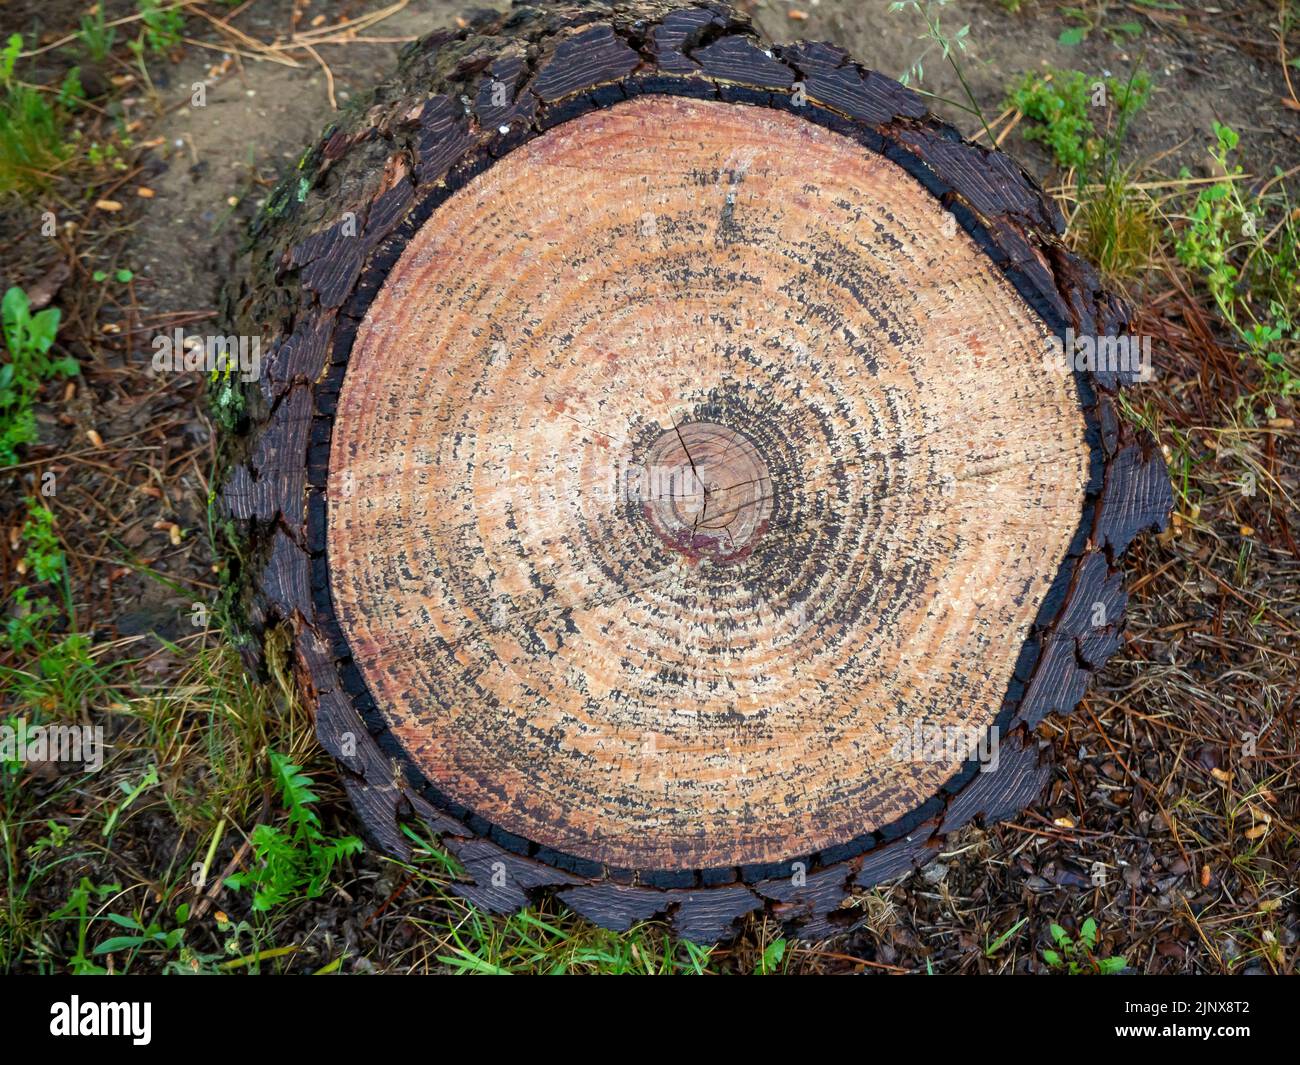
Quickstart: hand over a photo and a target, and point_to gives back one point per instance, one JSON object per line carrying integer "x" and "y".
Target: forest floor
{"x": 1172, "y": 819}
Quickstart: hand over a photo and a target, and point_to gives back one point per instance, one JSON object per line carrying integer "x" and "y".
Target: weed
{"x": 161, "y": 27}
{"x": 28, "y": 340}
{"x": 71, "y": 93}
{"x": 44, "y": 559}
{"x": 100, "y": 155}
{"x": 297, "y": 861}
{"x": 54, "y": 839}
{"x": 132, "y": 792}
{"x": 1115, "y": 224}
{"x": 1077, "y": 957}
{"x": 1116, "y": 227}
{"x": 1250, "y": 269}
{"x": 769, "y": 961}
{"x": 78, "y": 908}
{"x": 992, "y": 948}
{"x": 1058, "y": 106}
{"x": 95, "y": 35}
{"x": 139, "y": 935}
{"x": 31, "y": 128}
{"x": 226, "y": 399}
{"x": 121, "y": 276}
{"x": 61, "y": 679}
{"x": 1084, "y": 22}
{"x": 949, "y": 45}
{"x": 58, "y": 672}
{"x": 31, "y": 616}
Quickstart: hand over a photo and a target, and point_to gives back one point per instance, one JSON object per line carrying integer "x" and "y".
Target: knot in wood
{"x": 707, "y": 491}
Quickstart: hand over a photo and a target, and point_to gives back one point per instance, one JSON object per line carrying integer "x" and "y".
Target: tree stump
{"x": 659, "y": 468}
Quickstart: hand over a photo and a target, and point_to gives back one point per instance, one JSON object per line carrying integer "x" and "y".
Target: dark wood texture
{"x": 319, "y": 255}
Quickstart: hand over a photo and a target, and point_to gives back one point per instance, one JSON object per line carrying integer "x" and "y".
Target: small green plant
{"x": 31, "y": 128}
{"x": 1117, "y": 227}
{"x": 95, "y": 35}
{"x": 99, "y": 155}
{"x": 121, "y": 276}
{"x": 162, "y": 27}
{"x": 297, "y": 861}
{"x": 140, "y": 935}
{"x": 58, "y": 672}
{"x": 153, "y": 937}
{"x": 1076, "y": 957}
{"x": 62, "y": 676}
{"x": 28, "y": 340}
{"x": 77, "y": 908}
{"x": 56, "y": 836}
{"x": 71, "y": 94}
{"x": 225, "y": 397}
{"x": 27, "y": 620}
{"x": 131, "y": 793}
{"x": 44, "y": 558}
{"x": 1059, "y": 106}
{"x": 770, "y": 960}
{"x": 1083, "y": 22}
{"x": 950, "y": 45}
{"x": 1250, "y": 268}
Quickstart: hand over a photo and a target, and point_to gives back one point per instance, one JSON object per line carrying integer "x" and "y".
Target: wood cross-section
{"x": 690, "y": 458}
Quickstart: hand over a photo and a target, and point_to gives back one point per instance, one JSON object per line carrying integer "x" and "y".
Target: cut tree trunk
{"x": 662, "y": 469}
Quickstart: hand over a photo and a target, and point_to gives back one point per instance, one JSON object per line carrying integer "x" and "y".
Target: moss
{"x": 226, "y": 400}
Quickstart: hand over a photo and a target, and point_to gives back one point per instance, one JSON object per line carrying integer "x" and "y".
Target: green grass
{"x": 32, "y": 128}
{"x": 1117, "y": 227}
{"x": 530, "y": 943}
{"x": 536, "y": 941}
{"x": 187, "y": 757}
{"x": 31, "y": 140}
{"x": 95, "y": 35}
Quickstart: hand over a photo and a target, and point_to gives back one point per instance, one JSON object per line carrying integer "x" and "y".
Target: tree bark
{"x": 657, "y": 448}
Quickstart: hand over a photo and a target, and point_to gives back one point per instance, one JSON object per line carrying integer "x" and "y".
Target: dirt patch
{"x": 256, "y": 120}
{"x": 259, "y": 117}
{"x": 1220, "y": 65}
